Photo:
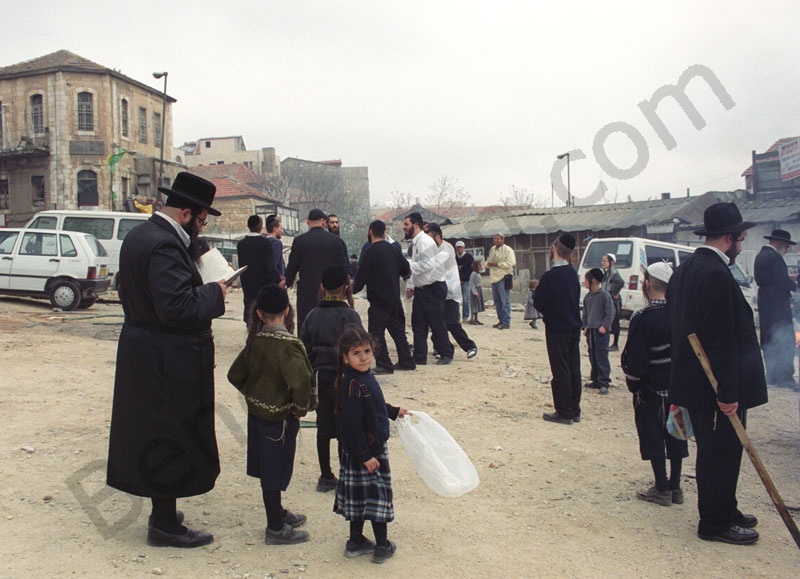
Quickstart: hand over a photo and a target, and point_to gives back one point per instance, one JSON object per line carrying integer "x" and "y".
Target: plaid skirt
{"x": 361, "y": 495}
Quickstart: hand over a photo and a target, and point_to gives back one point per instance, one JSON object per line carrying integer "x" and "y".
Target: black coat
{"x": 255, "y": 251}
{"x": 703, "y": 298}
{"x": 312, "y": 252}
{"x": 775, "y": 289}
{"x": 381, "y": 267}
{"x": 162, "y": 441}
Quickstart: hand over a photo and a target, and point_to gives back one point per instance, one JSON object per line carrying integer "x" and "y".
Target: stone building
{"x": 231, "y": 150}
{"x": 77, "y": 135}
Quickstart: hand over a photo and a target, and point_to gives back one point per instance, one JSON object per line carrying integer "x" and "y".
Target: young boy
{"x": 598, "y": 314}
{"x": 320, "y": 335}
{"x": 646, "y": 361}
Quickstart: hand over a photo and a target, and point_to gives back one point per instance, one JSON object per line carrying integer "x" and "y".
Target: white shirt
{"x": 725, "y": 259}
{"x": 181, "y": 231}
{"x": 451, "y": 272}
{"x": 425, "y": 268}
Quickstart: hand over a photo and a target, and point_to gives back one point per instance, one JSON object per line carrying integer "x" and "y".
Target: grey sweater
{"x": 598, "y": 310}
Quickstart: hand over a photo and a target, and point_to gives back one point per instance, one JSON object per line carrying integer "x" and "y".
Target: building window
{"x": 124, "y": 186}
{"x": 208, "y": 144}
{"x": 124, "y": 117}
{"x": 1, "y": 126}
{"x": 142, "y": 125}
{"x": 37, "y": 189}
{"x": 37, "y": 114}
{"x": 87, "y": 189}
{"x": 157, "y": 129}
{"x": 85, "y": 111}
{"x": 3, "y": 193}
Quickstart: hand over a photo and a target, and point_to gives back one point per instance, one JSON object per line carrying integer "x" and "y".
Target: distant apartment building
{"x": 77, "y": 135}
{"x": 231, "y": 150}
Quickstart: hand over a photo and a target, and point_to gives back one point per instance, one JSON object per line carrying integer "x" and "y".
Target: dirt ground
{"x": 554, "y": 500}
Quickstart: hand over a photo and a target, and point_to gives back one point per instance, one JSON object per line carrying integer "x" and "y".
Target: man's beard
{"x": 334, "y": 231}
{"x": 408, "y": 234}
{"x": 732, "y": 253}
{"x": 192, "y": 228}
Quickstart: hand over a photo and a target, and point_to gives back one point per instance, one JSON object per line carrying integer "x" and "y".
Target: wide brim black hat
{"x": 723, "y": 218}
{"x": 196, "y": 190}
{"x": 781, "y": 235}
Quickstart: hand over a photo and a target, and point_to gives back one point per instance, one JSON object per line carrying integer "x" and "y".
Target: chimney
{"x": 665, "y": 195}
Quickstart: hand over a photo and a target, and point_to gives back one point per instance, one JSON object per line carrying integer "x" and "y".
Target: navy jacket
{"x": 558, "y": 299}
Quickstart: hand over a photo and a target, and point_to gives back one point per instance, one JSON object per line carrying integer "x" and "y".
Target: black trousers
{"x": 563, "y": 351}
{"x": 381, "y": 318}
{"x": 719, "y": 456}
{"x": 452, "y": 314}
{"x": 428, "y": 311}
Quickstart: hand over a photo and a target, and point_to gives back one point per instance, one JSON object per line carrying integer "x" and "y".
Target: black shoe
{"x": 497, "y": 325}
{"x": 188, "y": 540}
{"x": 286, "y": 536}
{"x": 613, "y": 348}
{"x": 502, "y": 326}
{"x": 382, "y": 370}
{"x": 405, "y": 366}
{"x": 293, "y": 520}
{"x": 381, "y": 554}
{"x": 593, "y": 385}
{"x": 745, "y": 521}
{"x": 325, "y": 484}
{"x": 444, "y": 361}
{"x": 178, "y": 516}
{"x": 354, "y": 549}
{"x": 576, "y": 418}
{"x": 472, "y": 352}
{"x": 419, "y": 362}
{"x": 556, "y": 417}
{"x": 736, "y": 535}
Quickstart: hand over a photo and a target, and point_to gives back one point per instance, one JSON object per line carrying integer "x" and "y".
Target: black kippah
{"x": 272, "y": 299}
{"x": 334, "y": 277}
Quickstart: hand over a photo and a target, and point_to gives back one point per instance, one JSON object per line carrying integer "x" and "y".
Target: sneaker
{"x": 677, "y": 496}
{"x": 472, "y": 352}
{"x": 381, "y": 554}
{"x": 354, "y": 549}
{"x": 293, "y": 520}
{"x": 653, "y": 495}
{"x": 286, "y": 536}
{"x": 603, "y": 389}
{"x": 325, "y": 484}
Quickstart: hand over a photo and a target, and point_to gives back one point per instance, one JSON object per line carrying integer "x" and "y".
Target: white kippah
{"x": 661, "y": 271}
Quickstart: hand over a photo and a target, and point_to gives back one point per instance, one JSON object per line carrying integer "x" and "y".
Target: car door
{"x": 36, "y": 260}
{"x": 7, "y": 241}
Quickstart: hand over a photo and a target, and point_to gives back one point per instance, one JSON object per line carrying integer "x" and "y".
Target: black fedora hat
{"x": 722, "y": 218}
{"x": 781, "y": 235}
{"x": 193, "y": 189}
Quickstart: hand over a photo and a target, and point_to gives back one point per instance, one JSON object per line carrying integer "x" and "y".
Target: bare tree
{"x": 446, "y": 193}
{"x": 401, "y": 200}
{"x": 521, "y": 198}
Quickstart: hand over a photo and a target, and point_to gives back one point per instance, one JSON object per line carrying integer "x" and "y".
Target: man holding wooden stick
{"x": 703, "y": 298}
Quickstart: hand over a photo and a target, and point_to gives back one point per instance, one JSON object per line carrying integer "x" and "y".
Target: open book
{"x": 214, "y": 267}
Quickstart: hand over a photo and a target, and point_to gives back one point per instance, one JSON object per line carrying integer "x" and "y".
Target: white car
{"x": 68, "y": 267}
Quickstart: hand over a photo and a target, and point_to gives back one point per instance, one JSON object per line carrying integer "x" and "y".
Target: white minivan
{"x": 110, "y": 227}
{"x": 69, "y": 267}
{"x": 634, "y": 254}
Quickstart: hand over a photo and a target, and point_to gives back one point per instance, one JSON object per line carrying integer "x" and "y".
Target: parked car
{"x": 68, "y": 267}
{"x": 110, "y": 227}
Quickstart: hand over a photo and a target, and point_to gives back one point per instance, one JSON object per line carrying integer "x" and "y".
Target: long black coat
{"x": 775, "y": 289}
{"x": 162, "y": 441}
{"x": 255, "y": 251}
{"x": 703, "y": 298}
{"x": 312, "y": 252}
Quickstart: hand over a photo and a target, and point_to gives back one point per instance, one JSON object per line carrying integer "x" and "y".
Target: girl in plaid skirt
{"x": 364, "y": 492}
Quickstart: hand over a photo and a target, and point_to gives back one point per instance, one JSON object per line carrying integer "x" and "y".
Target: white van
{"x": 634, "y": 254}
{"x": 110, "y": 227}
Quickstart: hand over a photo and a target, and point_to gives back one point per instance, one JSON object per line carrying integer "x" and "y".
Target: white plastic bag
{"x": 438, "y": 459}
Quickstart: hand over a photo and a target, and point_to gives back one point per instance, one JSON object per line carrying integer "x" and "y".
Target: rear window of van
{"x": 622, "y": 249}
{"x": 126, "y": 226}
{"x": 100, "y": 227}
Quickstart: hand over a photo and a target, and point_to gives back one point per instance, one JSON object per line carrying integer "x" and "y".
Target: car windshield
{"x": 738, "y": 275}
{"x": 623, "y": 249}
{"x": 96, "y": 247}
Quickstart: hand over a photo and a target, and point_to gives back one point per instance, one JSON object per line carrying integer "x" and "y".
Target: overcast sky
{"x": 487, "y": 93}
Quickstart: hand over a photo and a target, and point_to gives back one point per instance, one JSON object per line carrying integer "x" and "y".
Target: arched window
{"x": 87, "y": 189}
{"x": 85, "y": 111}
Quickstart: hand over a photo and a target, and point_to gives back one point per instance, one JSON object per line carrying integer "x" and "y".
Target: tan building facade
{"x": 77, "y": 135}
{"x": 231, "y": 150}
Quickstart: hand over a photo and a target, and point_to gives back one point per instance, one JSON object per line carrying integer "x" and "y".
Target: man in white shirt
{"x": 430, "y": 292}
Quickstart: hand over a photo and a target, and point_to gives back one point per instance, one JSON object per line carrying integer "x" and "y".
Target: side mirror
{"x": 749, "y": 279}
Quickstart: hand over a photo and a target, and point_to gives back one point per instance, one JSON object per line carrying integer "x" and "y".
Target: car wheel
{"x": 87, "y": 303}
{"x": 65, "y": 295}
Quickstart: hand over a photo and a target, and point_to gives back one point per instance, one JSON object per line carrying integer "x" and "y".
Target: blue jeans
{"x": 502, "y": 302}
{"x": 465, "y": 295}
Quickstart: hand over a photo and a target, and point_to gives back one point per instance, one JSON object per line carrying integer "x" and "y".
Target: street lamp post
{"x": 163, "y": 125}
{"x": 569, "y": 191}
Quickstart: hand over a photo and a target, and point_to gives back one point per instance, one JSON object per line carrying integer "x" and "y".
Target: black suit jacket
{"x": 312, "y": 252}
{"x": 703, "y": 298}
{"x": 255, "y": 251}
{"x": 775, "y": 289}
{"x": 381, "y": 267}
